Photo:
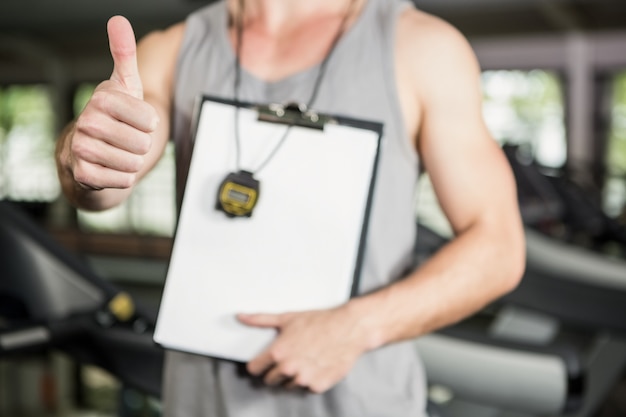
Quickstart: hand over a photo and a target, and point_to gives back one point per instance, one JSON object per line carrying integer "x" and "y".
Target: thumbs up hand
{"x": 124, "y": 52}
{"x": 108, "y": 144}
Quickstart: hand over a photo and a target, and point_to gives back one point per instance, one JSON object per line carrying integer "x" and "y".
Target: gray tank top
{"x": 360, "y": 83}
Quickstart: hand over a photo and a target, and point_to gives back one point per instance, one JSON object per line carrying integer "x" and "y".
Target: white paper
{"x": 297, "y": 251}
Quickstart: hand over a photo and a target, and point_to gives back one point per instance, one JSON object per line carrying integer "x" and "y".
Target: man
{"x": 372, "y": 59}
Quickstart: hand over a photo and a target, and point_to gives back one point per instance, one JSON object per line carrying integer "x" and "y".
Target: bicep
{"x": 471, "y": 178}
{"x": 469, "y": 172}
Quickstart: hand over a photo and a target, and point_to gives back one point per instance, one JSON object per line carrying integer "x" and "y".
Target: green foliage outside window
{"x": 27, "y": 168}
{"x": 526, "y": 108}
{"x": 82, "y": 96}
{"x": 615, "y": 188}
{"x": 616, "y": 157}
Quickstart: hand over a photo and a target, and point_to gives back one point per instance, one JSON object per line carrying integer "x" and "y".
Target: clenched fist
{"x": 107, "y": 144}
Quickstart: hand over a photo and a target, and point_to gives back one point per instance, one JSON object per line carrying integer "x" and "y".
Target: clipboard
{"x": 301, "y": 249}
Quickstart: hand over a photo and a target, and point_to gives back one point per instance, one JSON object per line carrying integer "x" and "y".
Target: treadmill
{"x": 50, "y": 299}
{"x": 554, "y": 346}
{"x": 561, "y": 334}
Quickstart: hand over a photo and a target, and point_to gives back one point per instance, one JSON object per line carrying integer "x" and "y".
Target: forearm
{"x": 478, "y": 266}
{"x": 80, "y": 196}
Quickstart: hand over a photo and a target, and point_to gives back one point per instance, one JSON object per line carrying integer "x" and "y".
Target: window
{"x": 615, "y": 187}
{"x": 523, "y": 108}
{"x": 27, "y": 167}
{"x": 526, "y": 108}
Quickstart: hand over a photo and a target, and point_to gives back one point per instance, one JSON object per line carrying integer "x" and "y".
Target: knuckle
{"x": 82, "y": 122}
{"x": 287, "y": 369}
{"x": 99, "y": 99}
{"x": 251, "y": 369}
{"x": 79, "y": 149}
{"x": 135, "y": 163}
{"x": 108, "y": 102}
{"x": 153, "y": 118}
{"x": 143, "y": 144}
{"x": 88, "y": 124}
{"x": 276, "y": 354}
{"x": 318, "y": 387}
{"x": 300, "y": 381}
{"x": 82, "y": 176}
{"x": 127, "y": 181}
{"x": 271, "y": 378}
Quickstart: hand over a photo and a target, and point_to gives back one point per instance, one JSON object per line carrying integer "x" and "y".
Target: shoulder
{"x": 169, "y": 38}
{"x": 433, "y": 49}
{"x": 434, "y": 55}
{"x": 427, "y": 33}
{"x": 157, "y": 56}
{"x": 169, "y": 41}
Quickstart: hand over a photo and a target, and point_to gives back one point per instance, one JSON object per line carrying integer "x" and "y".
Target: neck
{"x": 276, "y": 15}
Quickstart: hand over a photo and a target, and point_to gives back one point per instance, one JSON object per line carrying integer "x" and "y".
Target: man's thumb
{"x": 124, "y": 52}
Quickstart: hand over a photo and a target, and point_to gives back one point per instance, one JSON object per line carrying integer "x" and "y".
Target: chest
{"x": 273, "y": 57}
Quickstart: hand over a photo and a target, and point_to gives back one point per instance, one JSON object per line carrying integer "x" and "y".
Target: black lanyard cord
{"x": 314, "y": 93}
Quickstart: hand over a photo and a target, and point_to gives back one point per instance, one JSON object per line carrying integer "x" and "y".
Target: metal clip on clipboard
{"x": 293, "y": 114}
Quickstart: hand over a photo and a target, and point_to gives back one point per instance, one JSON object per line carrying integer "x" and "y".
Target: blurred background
{"x": 554, "y": 84}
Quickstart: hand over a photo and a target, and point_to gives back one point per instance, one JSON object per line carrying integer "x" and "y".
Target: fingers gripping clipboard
{"x": 301, "y": 248}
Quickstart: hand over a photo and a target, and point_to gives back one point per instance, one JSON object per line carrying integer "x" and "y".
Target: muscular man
{"x": 392, "y": 63}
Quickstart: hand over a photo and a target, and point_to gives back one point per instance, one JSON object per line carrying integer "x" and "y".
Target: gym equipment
{"x": 560, "y": 335}
{"x": 479, "y": 363}
{"x": 555, "y": 205}
{"x": 51, "y": 299}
